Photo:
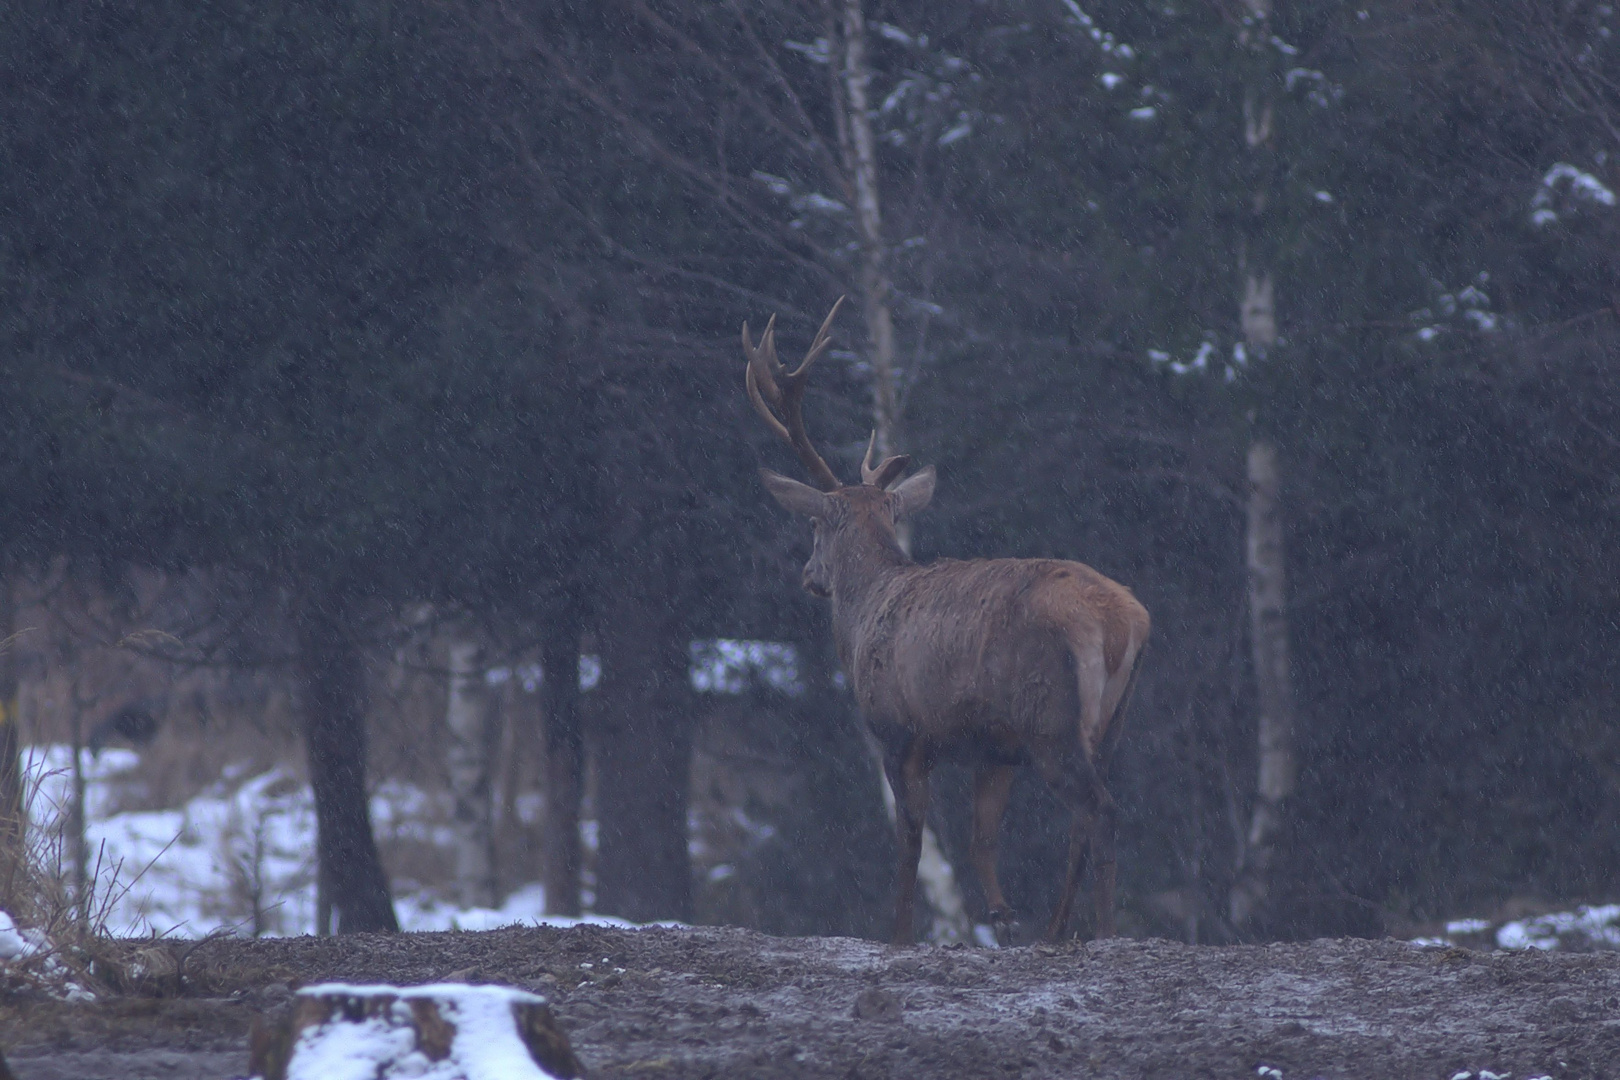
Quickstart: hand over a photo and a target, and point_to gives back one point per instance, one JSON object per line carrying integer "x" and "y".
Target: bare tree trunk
{"x": 643, "y": 728}
{"x": 934, "y": 871}
{"x": 521, "y": 755}
{"x": 356, "y": 888}
{"x": 565, "y": 763}
{"x": 1268, "y": 632}
{"x": 644, "y": 761}
{"x": 468, "y": 760}
{"x": 13, "y": 832}
{"x": 860, "y": 150}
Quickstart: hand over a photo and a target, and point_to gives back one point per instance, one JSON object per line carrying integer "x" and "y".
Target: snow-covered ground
{"x": 239, "y": 857}
{"x": 1593, "y": 928}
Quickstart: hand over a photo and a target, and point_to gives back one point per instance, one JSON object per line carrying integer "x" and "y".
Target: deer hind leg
{"x": 1074, "y": 780}
{"x": 907, "y": 770}
{"x": 1102, "y": 862}
{"x": 1102, "y": 836}
{"x": 992, "y": 786}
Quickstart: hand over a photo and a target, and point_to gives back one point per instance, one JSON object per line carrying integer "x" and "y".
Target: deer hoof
{"x": 1004, "y": 926}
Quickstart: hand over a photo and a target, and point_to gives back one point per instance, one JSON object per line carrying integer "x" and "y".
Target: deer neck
{"x": 862, "y": 575}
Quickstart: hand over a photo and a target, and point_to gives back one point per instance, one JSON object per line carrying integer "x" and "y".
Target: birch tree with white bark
{"x": 1265, "y": 551}
{"x": 815, "y": 200}
{"x": 469, "y": 753}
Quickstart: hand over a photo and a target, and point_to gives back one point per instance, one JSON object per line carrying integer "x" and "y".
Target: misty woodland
{"x": 382, "y": 524}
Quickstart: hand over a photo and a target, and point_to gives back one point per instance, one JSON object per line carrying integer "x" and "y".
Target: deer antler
{"x": 770, "y": 381}
{"x": 884, "y": 474}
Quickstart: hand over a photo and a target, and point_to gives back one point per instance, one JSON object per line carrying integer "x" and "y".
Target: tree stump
{"x": 447, "y": 1031}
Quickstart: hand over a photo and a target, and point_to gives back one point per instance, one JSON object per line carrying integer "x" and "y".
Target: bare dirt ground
{"x": 713, "y": 1002}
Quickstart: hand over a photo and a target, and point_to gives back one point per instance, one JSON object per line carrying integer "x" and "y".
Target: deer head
{"x": 854, "y": 524}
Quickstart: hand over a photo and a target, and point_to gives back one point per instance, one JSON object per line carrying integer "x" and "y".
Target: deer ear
{"x": 795, "y": 497}
{"x": 913, "y": 493}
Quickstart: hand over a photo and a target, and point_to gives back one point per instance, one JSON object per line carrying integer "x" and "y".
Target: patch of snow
{"x": 897, "y": 96}
{"x": 1146, "y": 112}
{"x": 486, "y": 1045}
{"x": 352, "y": 1051}
{"x": 48, "y": 778}
{"x": 590, "y": 672}
{"x": 1104, "y": 40}
{"x": 1110, "y": 80}
{"x": 423, "y": 913}
{"x": 1199, "y": 362}
{"x": 1079, "y": 16}
{"x": 1582, "y": 186}
{"x": 1299, "y": 74}
{"x": 1581, "y": 183}
{"x": 192, "y": 870}
{"x": 17, "y": 944}
{"x": 817, "y": 52}
{"x": 895, "y": 34}
{"x": 240, "y": 857}
{"x": 20, "y": 944}
{"x": 961, "y": 130}
{"x": 820, "y": 204}
{"x": 777, "y": 186}
{"x": 1589, "y": 927}
{"x": 728, "y": 666}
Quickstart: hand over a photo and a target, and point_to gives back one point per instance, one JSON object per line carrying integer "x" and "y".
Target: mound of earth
{"x": 718, "y": 1002}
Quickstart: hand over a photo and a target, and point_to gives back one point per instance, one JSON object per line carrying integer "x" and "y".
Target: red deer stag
{"x": 1007, "y": 661}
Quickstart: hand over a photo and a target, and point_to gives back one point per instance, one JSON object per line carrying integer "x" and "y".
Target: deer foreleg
{"x": 992, "y": 786}
{"x": 907, "y": 771}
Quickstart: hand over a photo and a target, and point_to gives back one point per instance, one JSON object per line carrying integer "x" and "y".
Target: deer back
{"x": 988, "y": 648}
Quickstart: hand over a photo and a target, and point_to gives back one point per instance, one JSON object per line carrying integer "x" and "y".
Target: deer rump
{"x": 983, "y": 659}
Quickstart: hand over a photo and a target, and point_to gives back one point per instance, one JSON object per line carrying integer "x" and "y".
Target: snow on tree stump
{"x": 448, "y": 1031}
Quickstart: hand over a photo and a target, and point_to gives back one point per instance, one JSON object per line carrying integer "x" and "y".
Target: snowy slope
{"x": 239, "y": 857}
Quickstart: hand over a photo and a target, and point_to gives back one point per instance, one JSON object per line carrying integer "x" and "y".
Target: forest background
{"x": 349, "y": 351}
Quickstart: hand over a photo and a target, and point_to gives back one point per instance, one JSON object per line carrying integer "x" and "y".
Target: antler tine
{"x": 763, "y": 368}
{"x": 762, "y": 362}
{"x": 822, "y": 340}
{"x": 884, "y": 474}
{"x": 768, "y": 381}
{"x": 867, "y": 472}
{"x": 763, "y": 409}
